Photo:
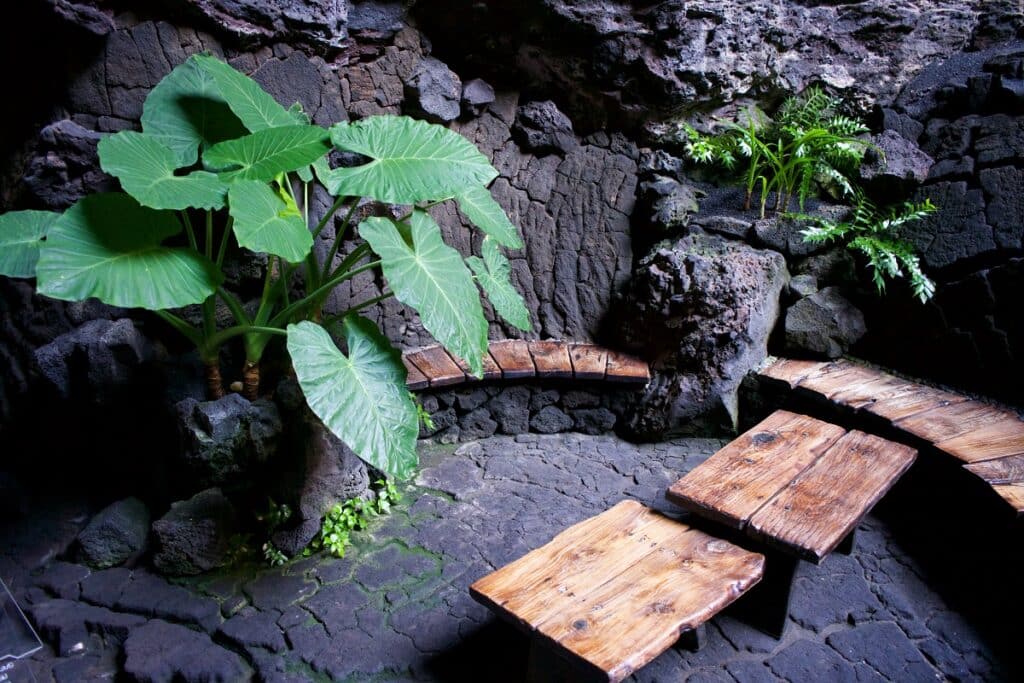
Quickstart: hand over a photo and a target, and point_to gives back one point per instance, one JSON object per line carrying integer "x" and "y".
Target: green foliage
{"x": 273, "y": 556}
{"x": 218, "y": 150}
{"x": 494, "y": 275}
{"x": 353, "y": 515}
{"x": 874, "y": 233}
{"x": 809, "y": 145}
{"x": 422, "y": 415}
{"x": 275, "y": 515}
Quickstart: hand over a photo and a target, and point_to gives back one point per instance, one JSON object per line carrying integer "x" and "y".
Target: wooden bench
{"x": 608, "y": 595}
{"x": 987, "y": 439}
{"x": 509, "y": 359}
{"x": 799, "y": 486}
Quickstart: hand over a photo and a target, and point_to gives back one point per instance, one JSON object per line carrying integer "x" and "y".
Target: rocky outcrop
{"x": 116, "y": 534}
{"x": 823, "y": 324}
{"x": 701, "y": 309}
{"x": 194, "y": 535}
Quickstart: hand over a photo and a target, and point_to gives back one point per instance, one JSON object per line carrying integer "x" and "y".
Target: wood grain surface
{"x": 791, "y": 371}
{"x": 491, "y": 369}
{"x": 588, "y": 361}
{"x": 946, "y": 422}
{"x": 1013, "y": 494}
{"x": 818, "y": 509}
{"x": 438, "y": 367}
{"x": 616, "y": 590}
{"x": 1002, "y": 471}
{"x": 513, "y": 357}
{"x": 625, "y": 368}
{"x": 837, "y": 377}
{"x": 734, "y": 483}
{"x": 551, "y": 358}
{"x": 415, "y": 379}
{"x": 1000, "y": 439}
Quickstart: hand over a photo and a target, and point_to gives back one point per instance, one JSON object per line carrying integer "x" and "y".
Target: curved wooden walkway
{"x": 433, "y": 366}
{"x": 988, "y": 440}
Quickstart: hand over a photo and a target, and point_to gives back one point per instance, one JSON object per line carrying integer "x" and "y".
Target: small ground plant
{"x": 353, "y": 515}
{"x": 218, "y": 160}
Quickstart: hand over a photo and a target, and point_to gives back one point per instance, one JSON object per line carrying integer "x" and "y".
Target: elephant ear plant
{"x": 219, "y": 159}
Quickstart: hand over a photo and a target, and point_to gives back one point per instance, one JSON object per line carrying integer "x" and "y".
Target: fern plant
{"x": 873, "y": 232}
{"x": 809, "y": 144}
{"x": 219, "y": 160}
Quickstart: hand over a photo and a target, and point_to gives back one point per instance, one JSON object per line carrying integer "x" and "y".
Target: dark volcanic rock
{"x": 193, "y": 537}
{"x": 226, "y": 439}
{"x": 159, "y": 652}
{"x": 701, "y": 308}
{"x": 541, "y": 127}
{"x": 116, "y": 534}
{"x": 671, "y": 203}
{"x": 476, "y": 95}
{"x": 434, "y": 90}
{"x": 64, "y": 168}
{"x": 318, "y": 23}
{"x": 896, "y": 162}
{"x": 823, "y": 324}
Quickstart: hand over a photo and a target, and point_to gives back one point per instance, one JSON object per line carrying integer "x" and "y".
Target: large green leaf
{"x": 265, "y": 222}
{"x": 413, "y": 161}
{"x": 431, "y": 277}
{"x": 21, "y": 235}
{"x": 256, "y": 109}
{"x": 109, "y": 247}
{"x": 145, "y": 166}
{"x": 267, "y": 153}
{"x": 494, "y": 275}
{"x": 360, "y": 397}
{"x": 480, "y": 207}
{"x": 186, "y": 112}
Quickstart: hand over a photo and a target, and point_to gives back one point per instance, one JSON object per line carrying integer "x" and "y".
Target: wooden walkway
{"x": 988, "y": 440}
{"x": 434, "y": 367}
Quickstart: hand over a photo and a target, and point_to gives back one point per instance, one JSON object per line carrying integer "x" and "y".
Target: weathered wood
{"x": 791, "y": 371}
{"x": 1000, "y": 439}
{"x": 837, "y": 377}
{"x": 618, "y": 589}
{"x": 879, "y": 388}
{"x": 625, "y": 368}
{"x": 491, "y": 369}
{"x": 813, "y": 514}
{"x": 588, "y": 361}
{"x": 1013, "y": 494}
{"x": 915, "y": 399}
{"x": 734, "y": 483}
{"x": 1008, "y": 470}
{"x": 513, "y": 357}
{"x": 946, "y": 422}
{"x": 551, "y": 358}
{"x": 437, "y": 366}
{"x": 415, "y": 379}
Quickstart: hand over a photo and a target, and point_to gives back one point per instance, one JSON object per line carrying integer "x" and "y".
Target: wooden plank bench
{"x": 973, "y": 432}
{"x": 608, "y": 595}
{"x": 434, "y": 367}
{"x": 798, "y": 485}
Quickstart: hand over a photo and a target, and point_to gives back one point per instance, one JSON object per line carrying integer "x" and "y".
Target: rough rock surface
{"x": 397, "y": 606}
{"x": 540, "y": 127}
{"x": 193, "y": 536}
{"x": 116, "y": 534}
{"x": 434, "y": 91}
{"x": 823, "y": 323}
{"x": 701, "y": 309}
{"x": 226, "y": 439}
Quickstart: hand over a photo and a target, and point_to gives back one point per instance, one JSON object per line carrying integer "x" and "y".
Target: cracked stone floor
{"x": 397, "y": 608}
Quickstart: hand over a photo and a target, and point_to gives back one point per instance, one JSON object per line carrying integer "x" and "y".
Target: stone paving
{"x": 397, "y": 607}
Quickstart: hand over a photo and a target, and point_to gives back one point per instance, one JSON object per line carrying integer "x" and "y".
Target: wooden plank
{"x": 734, "y": 483}
{"x": 623, "y": 624}
{"x": 625, "y": 368}
{"x": 837, "y": 377}
{"x": 1013, "y": 494}
{"x": 791, "y": 371}
{"x": 823, "y": 505}
{"x": 491, "y": 369}
{"x": 513, "y": 357}
{"x": 916, "y": 398}
{"x": 589, "y": 553}
{"x": 949, "y": 421}
{"x": 438, "y": 367}
{"x": 1002, "y": 471}
{"x": 881, "y": 388}
{"x": 415, "y": 379}
{"x": 551, "y": 358}
{"x": 1001, "y": 439}
{"x": 588, "y": 361}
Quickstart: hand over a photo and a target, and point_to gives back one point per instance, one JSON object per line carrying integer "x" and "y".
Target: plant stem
{"x": 282, "y": 317}
{"x": 251, "y": 380}
{"x": 190, "y": 332}
{"x": 209, "y": 235}
{"x": 327, "y": 216}
{"x": 218, "y": 339}
{"x": 265, "y": 296}
{"x": 339, "y": 235}
{"x": 188, "y": 229}
{"x": 235, "y": 306}
{"x": 228, "y": 227}
{"x": 214, "y": 382}
{"x": 358, "y": 307}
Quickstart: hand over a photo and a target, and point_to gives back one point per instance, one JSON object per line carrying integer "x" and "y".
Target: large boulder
{"x": 701, "y": 309}
{"x": 116, "y": 534}
{"x": 824, "y": 323}
{"x": 194, "y": 536}
{"x": 226, "y": 439}
{"x": 434, "y": 91}
{"x": 542, "y": 127}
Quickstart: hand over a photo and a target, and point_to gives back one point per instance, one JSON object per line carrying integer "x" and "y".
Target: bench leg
{"x": 694, "y": 639}
{"x": 846, "y": 547}
{"x": 546, "y": 665}
{"x": 766, "y": 606}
